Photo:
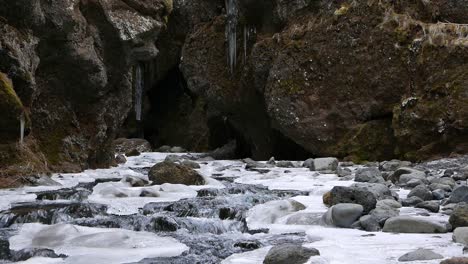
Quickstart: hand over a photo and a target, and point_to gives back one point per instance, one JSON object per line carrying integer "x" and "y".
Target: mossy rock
{"x": 11, "y": 109}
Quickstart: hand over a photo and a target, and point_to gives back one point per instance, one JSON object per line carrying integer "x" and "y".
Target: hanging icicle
{"x": 22, "y": 123}
{"x": 231, "y": 32}
{"x": 245, "y": 43}
{"x": 139, "y": 85}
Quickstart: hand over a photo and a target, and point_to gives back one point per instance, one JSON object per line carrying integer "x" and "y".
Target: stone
{"x": 132, "y": 153}
{"x": 456, "y": 260}
{"x": 422, "y": 192}
{"x": 326, "y": 164}
{"x": 343, "y": 172}
{"x": 169, "y": 172}
{"x": 309, "y": 163}
{"x": 440, "y": 186}
{"x": 460, "y": 235}
{"x": 135, "y": 181}
{"x": 411, "y": 201}
{"x": 369, "y": 223}
{"x": 327, "y": 198}
{"x": 341, "y": 194}
{"x": 420, "y": 254}
{"x": 459, "y": 194}
{"x": 431, "y": 206}
{"x": 388, "y": 203}
{"x": 462, "y": 175}
{"x": 408, "y": 174}
{"x": 407, "y": 224}
{"x": 125, "y": 145}
{"x": 285, "y": 164}
{"x": 289, "y": 253}
{"x": 149, "y": 193}
{"x": 459, "y": 216}
{"x": 438, "y": 194}
{"x": 173, "y": 158}
{"x": 251, "y": 164}
{"x": 4, "y": 249}
{"x": 120, "y": 159}
{"x": 190, "y": 164}
{"x": 413, "y": 183}
{"x": 382, "y": 213}
{"x": 380, "y": 191}
{"x": 372, "y": 175}
{"x": 164, "y": 149}
{"x": 393, "y": 165}
{"x": 343, "y": 215}
{"x": 177, "y": 150}
{"x": 445, "y": 181}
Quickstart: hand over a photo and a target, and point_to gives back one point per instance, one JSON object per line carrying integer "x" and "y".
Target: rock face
{"x": 303, "y": 75}
{"x": 290, "y": 253}
{"x": 169, "y": 172}
{"x": 71, "y": 66}
{"x": 362, "y": 83}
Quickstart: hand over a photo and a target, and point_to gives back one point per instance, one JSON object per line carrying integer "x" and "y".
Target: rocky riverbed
{"x": 240, "y": 211}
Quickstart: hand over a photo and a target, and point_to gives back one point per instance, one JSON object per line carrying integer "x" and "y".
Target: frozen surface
{"x": 94, "y": 245}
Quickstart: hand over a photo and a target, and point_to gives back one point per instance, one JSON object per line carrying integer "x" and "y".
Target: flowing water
{"x": 98, "y": 217}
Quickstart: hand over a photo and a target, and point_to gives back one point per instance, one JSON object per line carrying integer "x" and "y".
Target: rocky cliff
{"x": 364, "y": 80}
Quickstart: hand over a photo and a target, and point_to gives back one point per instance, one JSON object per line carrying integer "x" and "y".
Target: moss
{"x": 291, "y": 86}
{"x": 370, "y": 141}
{"x": 51, "y": 145}
{"x": 343, "y": 10}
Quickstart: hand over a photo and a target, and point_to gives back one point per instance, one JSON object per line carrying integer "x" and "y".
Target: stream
{"x": 98, "y": 217}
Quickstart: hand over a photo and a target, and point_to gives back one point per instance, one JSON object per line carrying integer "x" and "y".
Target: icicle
{"x": 245, "y": 43}
{"x": 22, "y": 123}
{"x": 138, "y": 91}
{"x": 231, "y": 32}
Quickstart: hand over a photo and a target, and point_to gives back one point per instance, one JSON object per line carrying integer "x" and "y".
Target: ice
{"x": 139, "y": 86}
{"x": 231, "y": 32}
{"x": 95, "y": 245}
{"x": 22, "y": 122}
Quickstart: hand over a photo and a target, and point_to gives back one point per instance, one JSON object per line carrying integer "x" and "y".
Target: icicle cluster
{"x": 231, "y": 32}
{"x": 139, "y": 84}
{"x": 22, "y": 123}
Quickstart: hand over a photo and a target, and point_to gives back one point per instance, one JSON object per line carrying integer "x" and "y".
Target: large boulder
{"x": 326, "y": 164}
{"x": 372, "y": 175}
{"x": 459, "y": 216}
{"x": 341, "y": 194}
{"x": 421, "y": 191}
{"x": 456, "y": 260}
{"x": 168, "y": 172}
{"x": 460, "y": 194}
{"x": 407, "y": 224}
{"x": 125, "y": 145}
{"x": 343, "y": 215}
{"x": 404, "y": 174}
{"x": 289, "y": 253}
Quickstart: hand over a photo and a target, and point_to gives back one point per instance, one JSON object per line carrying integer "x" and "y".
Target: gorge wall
{"x": 363, "y": 80}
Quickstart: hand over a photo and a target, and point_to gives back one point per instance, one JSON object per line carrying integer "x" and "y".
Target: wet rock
{"x": 456, "y": 260}
{"x": 435, "y": 186}
{"x": 149, "y": 193}
{"x": 309, "y": 163}
{"x": 406, "y": 224}
{"x": 124, "y": 145}
{"x": 438, "y": 194}
{"x": 462, "y": 175}
{"x": 460, "y": 235}
{"x": 445, "y": 181}
{"x": 225, "y": 152}
{"x": 285, "y": 164}
{"x": 173, "y": 158}
{"x": 190, "y": 164}
{"x": 405, "y": 174}
{"x": 460, "y": 194}
{"x": 289, "y": 253}
{"x": 411, "y": 201}
{"x": 380, "y": 191}
{"x": 41, "y": 180}
{"x": 168, "y": 172}
{"x": 135, "y": 181}
{"x": 326, "y": 164}
{"x": 343, "y": 215}
{"x": 164, "y": 149}
{"x": 382, "y": 213}
{"x": 4, "y": 249}
{"x": 120, "y": 159}
{"x": 26, "y": 254}
{"x": 431, "y": 206}
{"x": 369, "y": 223}
{"x": 132, "y": 153}
{"x": 343, "y": 172}
{"x": 177, "y": 150}
{"x": 372, "y": 175}
{"x": 421, "y": 191}
{"x": 251, "y": 164}
{"x": 390, "y": 203}
{"x": 393, "y": 165}
{"x": 459, "y": 216}
{"x": 420, "y": 254}
{"x": 340, "y": 194}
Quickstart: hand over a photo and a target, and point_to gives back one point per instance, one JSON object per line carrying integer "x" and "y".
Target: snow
{"x": 94, "y": 245}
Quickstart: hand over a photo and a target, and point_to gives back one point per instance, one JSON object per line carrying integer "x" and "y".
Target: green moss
{"x": 291, "y": 86}
{"x": 343, "y": 10}
{"x": 51, "y": 145}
